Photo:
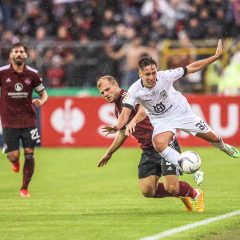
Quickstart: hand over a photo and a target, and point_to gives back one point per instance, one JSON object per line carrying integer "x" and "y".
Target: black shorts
{"x": 151, "y": 163}
{"x": 12, "y": 136}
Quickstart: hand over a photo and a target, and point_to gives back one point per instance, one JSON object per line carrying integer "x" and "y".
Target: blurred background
{"x": 72, "y": 42}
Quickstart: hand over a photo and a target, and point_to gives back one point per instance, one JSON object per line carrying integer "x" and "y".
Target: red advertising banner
{"x": 77, "y": 122}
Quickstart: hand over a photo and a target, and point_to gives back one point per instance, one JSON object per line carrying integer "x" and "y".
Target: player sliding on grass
{"x": 167, "y": 108}
{"x": 18, "y": 117}
{"x": 151, "y": 166}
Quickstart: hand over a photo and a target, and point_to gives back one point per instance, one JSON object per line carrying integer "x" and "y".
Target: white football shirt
{"x": 162, "y": 100}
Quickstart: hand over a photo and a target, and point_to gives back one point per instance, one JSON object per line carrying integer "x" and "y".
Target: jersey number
{"x": 34, "y": 134}
{"x": 201, "y": 125}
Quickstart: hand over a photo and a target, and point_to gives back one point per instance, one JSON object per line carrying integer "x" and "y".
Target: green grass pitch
{"x": 73, "y": 199}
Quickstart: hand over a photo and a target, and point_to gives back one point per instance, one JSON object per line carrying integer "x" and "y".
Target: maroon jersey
{"x": 16, "y": 108}
{"x": 144, "y": 129}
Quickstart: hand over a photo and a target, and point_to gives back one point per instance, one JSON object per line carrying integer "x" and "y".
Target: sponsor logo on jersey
{"x": 169, "y": 168}
{"x": 18, "y": 87}
{"x": 8, "y": 80}
{"x": 160, "y": 107}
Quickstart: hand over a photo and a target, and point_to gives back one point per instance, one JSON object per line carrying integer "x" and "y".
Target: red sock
{"x": 161, "y": 192}
{"x": 28, "y": 170}
{"x": 186, "y": 190}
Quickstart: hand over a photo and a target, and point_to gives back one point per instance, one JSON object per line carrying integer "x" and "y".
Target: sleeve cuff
{"x": 185, "y": 71}
{"x": 127, "y": 106}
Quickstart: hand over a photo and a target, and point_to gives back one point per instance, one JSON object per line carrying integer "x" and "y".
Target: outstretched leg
{"x": 217, "y": 141}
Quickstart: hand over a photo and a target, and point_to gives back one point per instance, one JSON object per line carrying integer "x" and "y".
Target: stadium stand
{"x": 69, "y": 40}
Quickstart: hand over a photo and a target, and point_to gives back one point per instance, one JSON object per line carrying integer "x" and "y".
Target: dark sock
{"x": 161, "y": 192}
{"x": 15, "y": 161}
{"x": 186, "y": 190}
{"x": 28, "y": 170}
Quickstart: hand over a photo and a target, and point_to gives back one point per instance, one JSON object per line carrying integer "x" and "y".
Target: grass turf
{"x": 72, "y": 198}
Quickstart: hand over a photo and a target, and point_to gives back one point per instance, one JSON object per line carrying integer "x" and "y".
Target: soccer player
{"x": 151, "y": 166}
{"x": 167, "y": 108}
{"x": 18, "y": 117}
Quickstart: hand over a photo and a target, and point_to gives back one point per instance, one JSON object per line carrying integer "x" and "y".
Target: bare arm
{"x": 141, "y": 115}
{"x": 116, "y": 144}
{"x": 196, "y": 66}
{"x": 122, "y": 121}
{"x": 118, "y": 54}
{"x": 40, "y": 101}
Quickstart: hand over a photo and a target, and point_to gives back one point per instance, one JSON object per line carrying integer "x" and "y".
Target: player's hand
{"x": 219, "y": 50}
{"x": 104, "y": 160}
{"x": 131, "y": 128}
{"x": 109, "y": 129}
{"x": 37, "y": 102}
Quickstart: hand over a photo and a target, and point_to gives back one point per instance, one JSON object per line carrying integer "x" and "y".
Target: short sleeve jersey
{"x": 17, "y": 110}
{"x": 162, "y": 100}
{"x": 144, "y": 129}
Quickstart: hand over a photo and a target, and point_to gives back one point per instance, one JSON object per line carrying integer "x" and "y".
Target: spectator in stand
{"x": 98, "y": 20}
{"x": 230, "y": 83}
{"x": 236, "y": 13}
{"x": 194, "y": 29}
{"x": 55, "y": 73}
{"x": 153, "y": 49}
{"x": 192, "y": 82}
{"x": 132, "y": 53}
{"x": 213, "y": 76}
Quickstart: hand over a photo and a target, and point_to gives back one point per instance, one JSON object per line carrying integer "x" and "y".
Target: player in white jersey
{"x": 167, "y": 108}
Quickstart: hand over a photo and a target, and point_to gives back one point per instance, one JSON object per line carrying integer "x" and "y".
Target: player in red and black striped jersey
{"x": 18, "y": 117}
{"x": 151, "y": 166}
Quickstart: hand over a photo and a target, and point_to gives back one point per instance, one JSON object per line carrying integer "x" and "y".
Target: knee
{"x": 160, "y": 144}
{"x": 215, "y": 139}
{"x": 13, "y": 156}
{"x": 29, "y": 156}
{"x": 172, "y": 189}
{"x": 148, "y": 191}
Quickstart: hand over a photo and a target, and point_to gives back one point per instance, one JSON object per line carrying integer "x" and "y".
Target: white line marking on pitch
{"x": 190, "y": 226}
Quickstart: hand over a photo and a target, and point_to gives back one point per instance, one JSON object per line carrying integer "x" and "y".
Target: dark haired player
{"x": 18, "y": 117}
{"x": 151, "y": 166}
{"x": 167, "y": 109}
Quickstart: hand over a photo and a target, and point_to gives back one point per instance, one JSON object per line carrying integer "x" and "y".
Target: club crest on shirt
{"x": 27, "y": 81}
{"x": 163, "y": 94}
{"x": 18, "y": 87}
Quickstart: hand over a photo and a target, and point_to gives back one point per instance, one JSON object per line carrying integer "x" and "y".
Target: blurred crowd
{"x": 73, "y": 41}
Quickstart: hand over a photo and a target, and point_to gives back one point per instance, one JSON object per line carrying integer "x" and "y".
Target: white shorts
{"x": 188, "y": 122}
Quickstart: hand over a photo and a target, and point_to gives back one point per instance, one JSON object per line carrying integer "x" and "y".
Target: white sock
{"x": 198, "y": 194}
{"x": 171, "y": 155}
{"x": 219, "y": 144}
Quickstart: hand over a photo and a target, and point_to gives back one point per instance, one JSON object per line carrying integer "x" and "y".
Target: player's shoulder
{"x": 5, "y": 68}
{"x": 170, "y": 73}
{"x": 123, "y": 94}
{"x": 31, "y": 70}
{"x": 136, "y": 85}
{"x": 171, "y": 70}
